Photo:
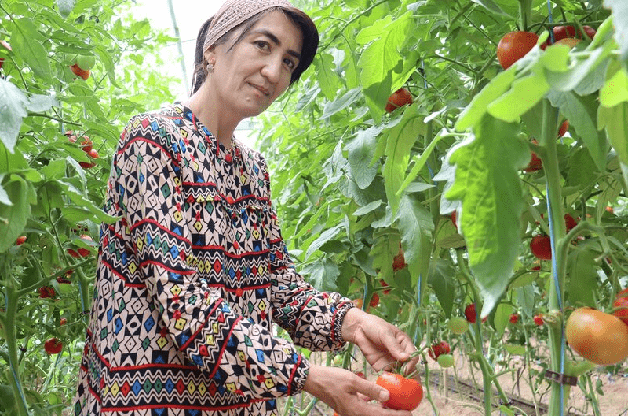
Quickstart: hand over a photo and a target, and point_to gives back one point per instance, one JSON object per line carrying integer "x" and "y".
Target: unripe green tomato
{"x": 85, "y": 62}
{"x": 446, "y": 360}
{"x": 458, "y": 325}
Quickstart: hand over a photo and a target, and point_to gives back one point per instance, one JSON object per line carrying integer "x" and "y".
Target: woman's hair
{"x": 300, "y": 19}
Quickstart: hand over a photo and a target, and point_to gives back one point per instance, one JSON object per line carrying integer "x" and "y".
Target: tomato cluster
{"x": 87, "y": 146}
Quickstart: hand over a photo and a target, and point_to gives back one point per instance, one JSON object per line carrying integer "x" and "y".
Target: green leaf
{"x": 620, "y": 22}
{"x": 341, "y": 103}
{"x": 14, "y": 216}
{"x": 399, "y": 142}
{"x": 502, "y": 317}
{"x": 81, "y": 201}
{"x": 569, "y": 80}
{"x": 615, "y": 121}
{"x": 582, "y": 115}
{"x": 475, "y": 111}
{"x": 327, "y": 79}
{"x": 440, "y": 278}
{"x": 615, "y": 89}
{"x": 524, "y": 94}
{"x": 12, "y": 111}
{"x": 368, "y": 208}
{"x": 323, "y": 274}
{"x": 493, "y": 7}
{"x": 29, "y": 42}
{"x": 325, "y": 236}
{"x": 487, "y": 182}
{"x": 361, "y": 154}
{"x": 582, "y": 273}
{"x": 419, "y": 163}
{"x": 416, "y": 227}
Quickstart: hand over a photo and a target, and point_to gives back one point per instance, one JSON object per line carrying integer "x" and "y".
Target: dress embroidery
{"x": 189, "y": 280}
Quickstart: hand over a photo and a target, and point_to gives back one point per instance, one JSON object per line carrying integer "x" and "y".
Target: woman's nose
{"x": 272, "y": 70}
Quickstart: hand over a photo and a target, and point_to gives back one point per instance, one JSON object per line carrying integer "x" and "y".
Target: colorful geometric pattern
{"x": 190, "y": 279}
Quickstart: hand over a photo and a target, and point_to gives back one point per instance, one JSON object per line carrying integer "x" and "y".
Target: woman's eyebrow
{"x": 276, "y": 41}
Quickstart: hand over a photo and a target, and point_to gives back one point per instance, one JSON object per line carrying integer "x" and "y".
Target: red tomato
{"x": 541, "y": 247}
{"x": 563, "y": 128}
{"x": 374, "y": 300}
{"x": 538, "y": 320}
{"x": 63, "y": 321}
{"x": 86, "y": 144}
{"x": 514, "y": 46}
{"x": 46, "y": 292}
{"x": 20, "y": 240}
{"x": 405, "y": 393}
{"x": 79, "y": 72}
{"x": 53, "y": 346}
{"x": 384, "y": 284}
{"x": 398, "y": 99}
{"x": 620, "y": 306}
{"x": 570, "y": 222}
{"x": 399, "y": 262}
{"x": 535, "y": 163}
{"x": 93, "y": 153}
{"x": 453, "y": 216}
{"x": 597, "y": 336}
{"x": 471, "y": 314}
{"x": 439, "y": 348}
{"x": 73, "y": 253}
{"x": 514, "y": 318}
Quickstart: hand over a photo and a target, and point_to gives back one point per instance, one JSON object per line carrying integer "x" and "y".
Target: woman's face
{"x": 250, "y": 76}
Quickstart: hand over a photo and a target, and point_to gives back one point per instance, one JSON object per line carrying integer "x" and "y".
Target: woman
{"x": 195, "y": 270}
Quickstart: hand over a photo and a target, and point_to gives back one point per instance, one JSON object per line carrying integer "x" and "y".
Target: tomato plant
{"x": 514, "y": 46}
{"x": 597, "y": 336}
{"x": 405, "y": 393}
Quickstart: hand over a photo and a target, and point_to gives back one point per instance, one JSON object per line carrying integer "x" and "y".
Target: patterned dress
{"x": 189, "y": 280}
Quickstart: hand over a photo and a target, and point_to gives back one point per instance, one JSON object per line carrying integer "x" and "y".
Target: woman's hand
{"x": 383, "y": 345}
{"x": 345, "y": 392}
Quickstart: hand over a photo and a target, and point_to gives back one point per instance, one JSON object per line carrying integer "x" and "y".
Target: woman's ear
{"x": 210, "y": 55}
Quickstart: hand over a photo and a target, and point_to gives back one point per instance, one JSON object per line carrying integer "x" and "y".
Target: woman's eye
{"x": 262, "y": 44}
{"x": 290, "y": 63}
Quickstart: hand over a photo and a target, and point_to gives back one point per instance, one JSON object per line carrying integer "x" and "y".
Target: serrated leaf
{"x": 416, "y": 227}
{"x": 322, "y": 239}
{"x": 41, "y": 103}
{"x": 582, "y": 115}
{"x": 327, "y": 79}
{"x": 524, "y": 94}
{"x": 361, "y": 156}
{"x": 322, "y": 274}
{"x": 620, "y": 21}
{"x": 12, "y": 112}
{"x": 487, "y": 182}
{"x": 27, "y": 39}
{"x": 475, "y": 111}
{"x": 399, "y": 142}
{"x": 615, "y": 121}
{"x": 16, "y": 214}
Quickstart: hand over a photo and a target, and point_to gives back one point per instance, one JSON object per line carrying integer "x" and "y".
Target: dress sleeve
{"x": 312, "y": 318}
{"x": 235, "y": 352}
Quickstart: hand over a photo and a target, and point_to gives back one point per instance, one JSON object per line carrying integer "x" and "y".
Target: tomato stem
{"x": 11, "y": 299}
